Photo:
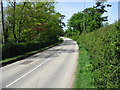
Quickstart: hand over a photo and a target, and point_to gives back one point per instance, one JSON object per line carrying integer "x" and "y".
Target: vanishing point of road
{"x": 52, "y": 68}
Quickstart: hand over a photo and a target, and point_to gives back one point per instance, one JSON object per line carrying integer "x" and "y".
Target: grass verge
{"x": 14, "y": 59}
{"x": 83, "y": 77}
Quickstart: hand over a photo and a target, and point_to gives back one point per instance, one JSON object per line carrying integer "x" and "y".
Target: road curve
{"x": 52, "y": 68}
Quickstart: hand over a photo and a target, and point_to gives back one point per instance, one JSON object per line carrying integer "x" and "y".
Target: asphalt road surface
{"x": 52, "y": 68}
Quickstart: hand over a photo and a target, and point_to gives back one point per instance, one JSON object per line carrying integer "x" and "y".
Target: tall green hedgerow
{"x": 103, "y": 48}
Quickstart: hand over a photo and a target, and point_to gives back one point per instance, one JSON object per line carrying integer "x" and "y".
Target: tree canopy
{"x": 31, "y": 22}
{"x": 87, "y": 20}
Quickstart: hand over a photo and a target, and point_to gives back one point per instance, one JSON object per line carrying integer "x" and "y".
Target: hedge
{"x": 14, "y": 49}
{"x": 103, "y": 48}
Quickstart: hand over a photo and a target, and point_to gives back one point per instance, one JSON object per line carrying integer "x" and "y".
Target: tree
{"x": 89, "y": 19}
{"x": 76, "y": 22}
{"x": 33, "y": 21}
{"x": 100, "y": 7}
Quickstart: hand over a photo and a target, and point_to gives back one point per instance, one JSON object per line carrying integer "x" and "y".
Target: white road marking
{"x": 31, "y": 70}
{"x": 28, "y": 72}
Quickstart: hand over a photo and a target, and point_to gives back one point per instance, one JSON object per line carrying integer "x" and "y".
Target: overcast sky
{"x": 69, "y": 8}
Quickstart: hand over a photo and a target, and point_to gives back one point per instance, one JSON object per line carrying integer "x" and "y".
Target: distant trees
{"x": 89, "y": 20}
{"x": 31, "y": 22}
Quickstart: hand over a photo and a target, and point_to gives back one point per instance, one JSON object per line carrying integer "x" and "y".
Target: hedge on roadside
{"x": 14, "y": 49}
{"x": 103, "y": 48}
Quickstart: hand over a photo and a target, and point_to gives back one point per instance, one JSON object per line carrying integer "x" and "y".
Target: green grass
{"x": 84, "y": 77}
{"x": 28, "y": 54}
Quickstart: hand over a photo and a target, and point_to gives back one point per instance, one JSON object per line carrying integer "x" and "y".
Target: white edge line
{"x": 30, "y": 71}
{"x": 27, "y": 73}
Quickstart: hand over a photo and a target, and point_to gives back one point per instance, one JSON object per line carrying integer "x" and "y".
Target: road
{"x": 52, "y": 68}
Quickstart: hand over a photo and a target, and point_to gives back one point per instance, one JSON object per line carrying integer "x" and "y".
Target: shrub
{"x": 103, "y": 47}
{"x": 14, "y": 49}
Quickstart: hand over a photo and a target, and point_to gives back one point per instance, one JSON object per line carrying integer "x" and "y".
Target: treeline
{"x": 30, "y": 22}
{"x": 98, "y": 64}
{"x": 88, "y": 20}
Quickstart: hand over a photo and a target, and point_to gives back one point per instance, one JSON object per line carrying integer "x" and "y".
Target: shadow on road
{"x": 56, "y": 52}
{"x": 53, "y": 53}
{"x": 67, "y": 42}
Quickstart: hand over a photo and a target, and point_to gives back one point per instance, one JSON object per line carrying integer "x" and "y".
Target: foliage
{"x": 31, "y": 22}
{"x": 19, "y": 57}
{"x": 103, "y": 48}
{"x": 15, "y": 49}
{"x": 30, "y": 26}
{"x": 88, "y": 20}
{"x": 99, "y": 47}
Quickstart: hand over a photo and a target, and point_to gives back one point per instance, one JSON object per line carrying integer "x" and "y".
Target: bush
{"x": 14, "y": 49}
{"x": 103, "y": 47}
